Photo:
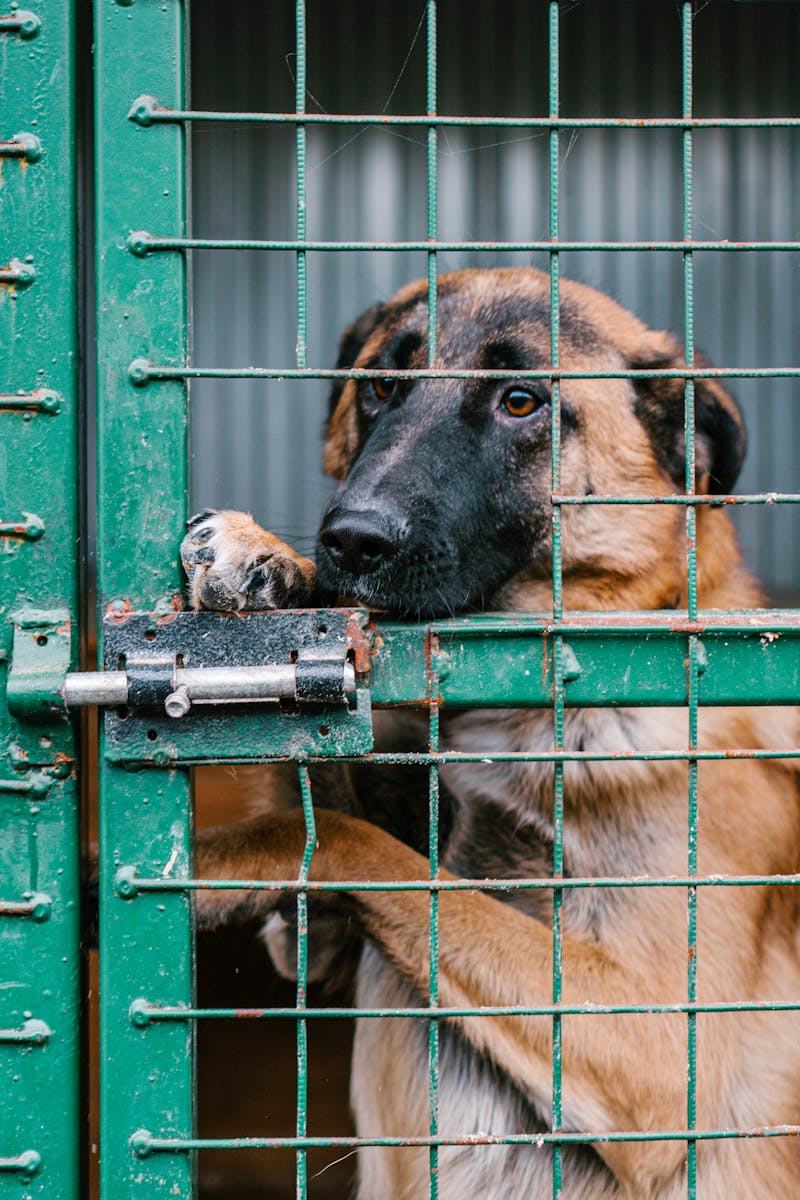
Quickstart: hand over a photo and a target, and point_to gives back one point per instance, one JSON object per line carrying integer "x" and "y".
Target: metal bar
{"x": 37, "y": 786}
{"x": 140, "y": 176}
{"x": 433, "y": 926}
{"x": 433, "y": 706}
{"x": 557, "y": 584}
{"x": 37, "y": 906}
{"x": 29, "y": 1161}
{"x": 129, "y": 885}
{"x": 445, "y": 756}
{"x": 200, "y": 684}
{"x": 717, "y": 501}
{"x": 143, "y": 1014}
{"x": 95, "y": 687}
{"x": 552, "y": 756}
{"x": 146, "y": 110}
{"x": 629, "y": 663}
{"x": 23, "y": 146}
{"x": 144, "y": 1144}
{"x": 30, "y": 528}
{"x": 143, "y": 372}
{"x": 22, "y": 22}
{"x": 17, "y": 274}
{"x": 301, "y": 1122}
{"x": 32, "y": 1032}
{"x": 673, "y": 621}
{"x": 300, "y": 151}
{"x": 142, "y": 243}
{"x": 42, "y": 400}
{"x": 691, "y": 574}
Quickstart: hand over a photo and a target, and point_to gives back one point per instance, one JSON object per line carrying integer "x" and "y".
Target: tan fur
{"x": 629, "y": 947}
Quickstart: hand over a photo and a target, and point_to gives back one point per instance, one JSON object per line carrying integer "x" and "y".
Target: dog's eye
{"x": 383, "y": 388}
{"x": 519, "y": 402}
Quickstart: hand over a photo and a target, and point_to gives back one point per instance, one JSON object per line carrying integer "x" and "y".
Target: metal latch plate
{"x": 316, "y": 641}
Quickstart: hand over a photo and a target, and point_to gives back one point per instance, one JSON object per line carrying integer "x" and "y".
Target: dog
{"x": 444, "y": 505}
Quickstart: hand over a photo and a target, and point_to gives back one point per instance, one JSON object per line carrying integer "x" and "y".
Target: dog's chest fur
{"x": 502, "y": 827}
{"x": 503, "y": 812}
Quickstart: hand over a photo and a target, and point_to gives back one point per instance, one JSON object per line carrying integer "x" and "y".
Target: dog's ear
{"x": 720, "y": 435}
{"x": 341, "y": 431}
{"x": 350, "y": 346}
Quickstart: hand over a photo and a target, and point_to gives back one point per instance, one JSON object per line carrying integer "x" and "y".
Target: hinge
{"x": 39, "y": 664}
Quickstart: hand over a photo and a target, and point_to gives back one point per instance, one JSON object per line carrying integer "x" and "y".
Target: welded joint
{"x": 700, "y": 656}
{"x": 32, "y": 1032}
{"x": 29, "y": 528}
{"x": 139, "y": 372}
{"x": 22, "y": 145}
{"x": 570, "y": 667}
{"x": 139, "y": 242}
{"x": 22, "y": 22}
{"x": 17, "y": 273}
{"x": 35, "y": 905}
{"x": 140, "y": 1013}
{"x": 146, "y": 110}
{"x": 141, "y": 1143}
{"x": 43, "y": 400}
{"x": 36, "y": 787}
{"x": 125, "y": 883}
{"x": 27, "y": 1163}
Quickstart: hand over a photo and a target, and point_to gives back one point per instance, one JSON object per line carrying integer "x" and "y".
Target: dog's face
{"x": 445, "y": 495}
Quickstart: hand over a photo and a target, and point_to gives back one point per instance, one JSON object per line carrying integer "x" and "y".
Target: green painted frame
{"x": 40, "y": 967}
{"x": 142, "y": 462}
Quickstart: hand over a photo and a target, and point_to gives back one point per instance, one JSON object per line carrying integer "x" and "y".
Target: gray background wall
{"x": 257, "y": 445}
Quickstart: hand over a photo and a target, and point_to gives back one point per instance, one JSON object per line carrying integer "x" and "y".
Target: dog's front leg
{"x": 489, "y": 954}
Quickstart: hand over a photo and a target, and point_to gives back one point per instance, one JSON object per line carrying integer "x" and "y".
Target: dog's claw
{"x": 198, "y": 518}
{"x": 257, "y": 578}
{"x": 196, "y": 554}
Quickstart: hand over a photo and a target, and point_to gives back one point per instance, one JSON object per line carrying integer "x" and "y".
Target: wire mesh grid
{"x": 147, "y": 112}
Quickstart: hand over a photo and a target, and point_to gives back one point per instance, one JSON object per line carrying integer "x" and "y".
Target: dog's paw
{"x": 330, "y": 936}
{"x": 233, "y": 565}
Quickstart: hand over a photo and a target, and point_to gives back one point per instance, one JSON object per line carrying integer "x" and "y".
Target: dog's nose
{"x": 359, "y": 541}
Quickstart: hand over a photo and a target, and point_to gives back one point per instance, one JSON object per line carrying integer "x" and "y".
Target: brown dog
{"x": 444, "y": 505}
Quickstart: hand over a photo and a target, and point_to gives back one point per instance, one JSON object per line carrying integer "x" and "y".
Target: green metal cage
{"x": 144, "y": 368}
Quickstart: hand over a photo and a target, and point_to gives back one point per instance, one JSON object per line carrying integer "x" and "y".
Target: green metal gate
{"x": 40, "y": 973}
{"x": 144, "y": 368}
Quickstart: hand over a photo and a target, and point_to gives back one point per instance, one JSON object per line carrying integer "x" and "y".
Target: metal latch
{"x": 151, "y": 683}
{"x": 188, "y": 687}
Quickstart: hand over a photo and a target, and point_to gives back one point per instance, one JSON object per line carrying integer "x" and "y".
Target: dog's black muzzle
{"x": 430, "y": 520}
{"x": 361, "y": 541}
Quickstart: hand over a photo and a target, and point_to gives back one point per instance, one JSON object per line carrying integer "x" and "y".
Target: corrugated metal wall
{"x": 257, "y": 445}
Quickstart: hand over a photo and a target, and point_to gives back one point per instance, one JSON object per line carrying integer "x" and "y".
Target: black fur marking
{"x": 353, "y": 340}
{"x": 505, "y": 354}
{"x": 720, "y": 439}
{"x": 404, "y": 350}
